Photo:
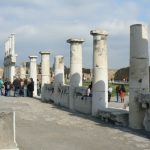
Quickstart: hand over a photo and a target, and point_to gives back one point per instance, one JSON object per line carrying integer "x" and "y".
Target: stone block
{"x": 116, "y": 116}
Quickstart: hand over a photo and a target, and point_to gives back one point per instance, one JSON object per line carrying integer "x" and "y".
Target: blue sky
{"x": 47, "y": 24}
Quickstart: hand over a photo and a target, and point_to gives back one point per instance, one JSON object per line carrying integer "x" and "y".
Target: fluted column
{"x": 100, "y": 71}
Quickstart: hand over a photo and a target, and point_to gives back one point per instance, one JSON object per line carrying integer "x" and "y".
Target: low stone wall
{"x": 7, "y": 131}
{"x": 144, "y": 99}
{"x": 82, "y": 103}
{"x": 47, "y": 93}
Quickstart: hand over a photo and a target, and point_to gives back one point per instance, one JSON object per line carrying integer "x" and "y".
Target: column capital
{"x": 136, "y": 25}
{"x": 13, "y": 34}
{"x": 33, "y": 57}
{"x": 98, "y": 32}
{"x": 75, "y": 40}
{"x": 59, "y": 56}
{"x": 44, "y": 53}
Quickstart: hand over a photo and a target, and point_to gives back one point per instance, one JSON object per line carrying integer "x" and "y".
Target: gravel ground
{"x": 42, "y": 126}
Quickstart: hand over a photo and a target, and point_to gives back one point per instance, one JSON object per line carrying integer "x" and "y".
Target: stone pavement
{"x": 42, "y": 126}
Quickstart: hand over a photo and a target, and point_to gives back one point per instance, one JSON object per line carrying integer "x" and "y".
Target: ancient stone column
{"x": 59, "y": 70}
{"x": 100, "y": 71}
{"x": 59, "y": 75}
{"x": 45, "y": 67}
{"x": 12, "y": 72}
{"x": 139, "y": 73}
{"x": 33, "y": 72}
{"x": 23, "y": 71}
{"x": 12, "y": 57}
{"x": 75, "y": 67}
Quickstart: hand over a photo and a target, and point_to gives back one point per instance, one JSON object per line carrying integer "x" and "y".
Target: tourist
{"x": 117, "y": 92}
{"x": 16, "y": 84}
{"x": 122, "y": 93}
{"x": 25, "y": 87}
{"x": 1, "y": 86}
{"x": 109, "y": 93}
{"x": 30, "y": 88}
{"x": 38, "y": 87}
{"x": 89, "y": 90}
{"x": 7, "y": 86}
{"x": 21, "y": 90}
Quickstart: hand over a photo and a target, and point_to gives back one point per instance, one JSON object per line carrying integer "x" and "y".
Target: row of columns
{"x": 139, "y": 70}
{"x": 100, "y": 70}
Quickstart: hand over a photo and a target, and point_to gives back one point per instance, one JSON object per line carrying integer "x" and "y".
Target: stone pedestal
{"x": 75, "y": 67}
{"x": 33, "y": 72}
{"x": 139, "y": 73}
{"x": 7, "y": 131}
{"x": 59, "y": 75}
{"x": 100, "y": 71}
{"x": 45, "y": 67}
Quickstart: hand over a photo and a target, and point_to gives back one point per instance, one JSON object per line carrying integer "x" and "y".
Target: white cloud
{"x": 47, "y": 24}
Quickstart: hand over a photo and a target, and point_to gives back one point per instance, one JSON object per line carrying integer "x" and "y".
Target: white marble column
{"x": 100, "y": 71}
{"x": 12, "y": 72}
{"x": 75, "y": 67}
{"x": 59, "y": 75}
{"x": 33, "y": 72}
{"x": 45, "y": 67}
{"x": 59, "y": 70}
{"x": 139, "y": 73}
{"x": 22, "y": 72}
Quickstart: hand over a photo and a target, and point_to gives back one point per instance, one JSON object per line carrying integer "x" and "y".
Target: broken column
{"x": 7, "y": 131}
{"x": 33, "y": 72}
{"x": 75, "y": 67}
{"x": 45, "y": 67}
{"x": 59, "y": 75}
{"x": 139, "y": 73}
{"x": 100, "y": 71}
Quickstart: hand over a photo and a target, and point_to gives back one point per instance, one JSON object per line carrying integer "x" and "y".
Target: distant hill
{"x": 121, "y": 74}
{"x": 115, "y": 74}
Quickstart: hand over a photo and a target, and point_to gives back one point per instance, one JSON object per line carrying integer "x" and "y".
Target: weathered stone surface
{"x": 10, "y": 58}
{"x": 59, "y": 76}
{"x": 45, "y": 67}
{"x": 100, "y": 71}
{"x": 75, "y": 67}
{"x": 33, "y": 72}
{"x": 139, "y": 73}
